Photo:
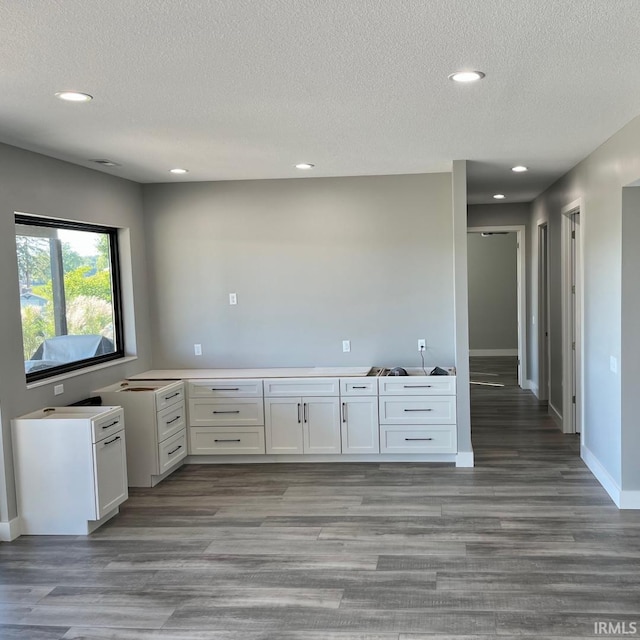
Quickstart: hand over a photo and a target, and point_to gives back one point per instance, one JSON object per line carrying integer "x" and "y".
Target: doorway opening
{"x": 572, "y": 315}
{"x": 544, "y": 320}
{"x": 496, "y": 271}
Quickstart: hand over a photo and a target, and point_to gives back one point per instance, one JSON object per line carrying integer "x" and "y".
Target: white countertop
{"x": 277, "y": 372}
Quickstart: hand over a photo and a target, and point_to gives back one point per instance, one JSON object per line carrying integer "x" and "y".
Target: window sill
{"x": 81, "y": 372}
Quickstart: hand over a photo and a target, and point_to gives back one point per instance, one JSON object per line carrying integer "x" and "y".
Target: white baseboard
{"x": 630, "y": 499}
{"x": 601, "y": 474}
{"x": 532, "y": 386}
{"x": 493, "y": 352}
{"x": 556, "y": 415}
{"x": 464, "y": 459}
{"x": 9, "y": 530}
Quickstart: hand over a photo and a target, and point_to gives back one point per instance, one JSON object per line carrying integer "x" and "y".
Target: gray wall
{"x": 599, "y": 181}
{"x": 493, "y": 291}
{"x": 33, "y": 183}
{"x": 313, "y": 261}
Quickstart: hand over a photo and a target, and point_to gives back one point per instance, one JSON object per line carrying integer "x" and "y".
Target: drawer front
{"x": 418, "y": 439}
{"x": 222, "y": 441}
{"x": 172, "y": 450}
{"x": 169, "y": 395}
{"x": 170, "y": 421}
{"x": 358, "y": 386}
{"x": 287, "y": 387}
{"x": 108, "y": 424}
{"x": 225, "y": 389}
{"x": 416, "y": 410}
{"x": 248, "y": 412}
{"x": 418, "y": 386}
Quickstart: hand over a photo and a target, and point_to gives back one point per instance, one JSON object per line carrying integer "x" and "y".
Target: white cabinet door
{"x": 110, "y": 473}
{"x": 321, "y": 425}
{"x": 360, "y": 425}
{"x": 283, "y": 425}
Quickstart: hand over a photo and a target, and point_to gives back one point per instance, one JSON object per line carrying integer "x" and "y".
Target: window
{"x": 69, "y": 295}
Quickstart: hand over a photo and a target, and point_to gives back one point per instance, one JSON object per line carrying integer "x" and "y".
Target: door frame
{"x": 544, "y": 313}
{"x": 572, "y": 418}
{"x": 521, "y": 273}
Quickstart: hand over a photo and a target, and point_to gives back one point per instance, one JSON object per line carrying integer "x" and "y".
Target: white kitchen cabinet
{"x": 70, "y": 468}
{"x": 359, "y": 428}
{"x": 156, "y": 422}
{"x": 303, "y": 424}
{"x": 226, "y": 417}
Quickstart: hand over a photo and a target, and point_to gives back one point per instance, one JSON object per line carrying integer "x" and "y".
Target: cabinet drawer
{"x": 222, "y": 441}
{"x": 358, "y": 386}
{"x": 172, "y": 450}
{"x": 418, "y": 439}
{"x": 107, "y": 424}
{"x": 287, "y": 387}
{"x": 418, "y": 410}
{"x": 225, "y": 389}
{"x": 418, "y": 386}
{"x": 170, "y": 421}
{"x": 169, "y": 395}
{"x": 221, "y": 412}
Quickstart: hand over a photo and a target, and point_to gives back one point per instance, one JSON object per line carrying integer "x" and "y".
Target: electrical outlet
{"x": 422, "y": 344}
{"x": 197, "y": 349}
{"x": 233, "y": 298}
{"x": 58, "y": 389}
{"x": 346, "y": 346}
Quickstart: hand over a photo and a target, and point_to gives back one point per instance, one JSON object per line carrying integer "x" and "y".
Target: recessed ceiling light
{"x": 179, "y": 170}
{"x": 499, "y": 196}
{"x": 305, "y": 165}
{"x": 107, "y": 163}
{"x": 520, "y": 169}
{"x": 466, "y": 76}
{"x": 73, "y": 96}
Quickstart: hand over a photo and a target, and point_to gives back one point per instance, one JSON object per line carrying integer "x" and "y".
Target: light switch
{"x": 58, "y": 389}
{"x": 197, "y": 349}
{"x": 346, "y": 346}
{"x": 233, "y": 298}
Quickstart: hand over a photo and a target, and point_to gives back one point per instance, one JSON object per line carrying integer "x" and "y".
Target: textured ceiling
{"x": 239, "y": 89}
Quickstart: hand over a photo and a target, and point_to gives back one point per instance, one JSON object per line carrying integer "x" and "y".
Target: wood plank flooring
{"x": 527, "y": 544}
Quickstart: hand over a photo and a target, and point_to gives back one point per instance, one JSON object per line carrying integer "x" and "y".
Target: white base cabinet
{"x": 360, "y": 425}
{"x": 155, "y": 415}
{"x": 70, "y": 467}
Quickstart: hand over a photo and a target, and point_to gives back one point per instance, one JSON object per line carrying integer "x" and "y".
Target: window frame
{"x": 116, "y": 292}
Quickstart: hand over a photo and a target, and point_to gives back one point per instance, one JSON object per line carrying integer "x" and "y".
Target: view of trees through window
{"x": 66, "y": 290}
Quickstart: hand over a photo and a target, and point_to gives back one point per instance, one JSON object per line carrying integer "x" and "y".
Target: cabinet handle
{"x": 111, "y": 441}
{"x": 299, "y": 421}
{"x": 344, "y": 412}
{"x": 238, "y": 440}
{"x": 111, "y": 424}
{"x": 362, "y": 387}
{"x": 236, "y": 411}
{"x": 170, "y": 421}
{"x": 305, "y": 412}
{"x": 418, "y": 409}
{"x": 417, "y": 386}
{"x": 225, "y": 389}
{"x": 173, "y": 395}
{"x": 170, "y": 453}
{"x": 410, "y": 439}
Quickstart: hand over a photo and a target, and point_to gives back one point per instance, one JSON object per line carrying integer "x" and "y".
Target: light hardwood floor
{"x": 526, "y": 544}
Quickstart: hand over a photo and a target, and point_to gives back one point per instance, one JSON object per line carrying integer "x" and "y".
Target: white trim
{"x": 630, "y": 500}
{"x": 305, "y": 458}
{"x": 567, "y": 378}
{"x": 544, "y": 342}
{"x": 555, "y": 414}
{"x": 10, "y": 530}
{"x": 521, "y": 231}
{"x": 493, "y": 352}
{"x": 601, "y": 474}
{"x": 533, "y": 387}
{"x": 81, "y": 372}
{"x": 464, "y": 459}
